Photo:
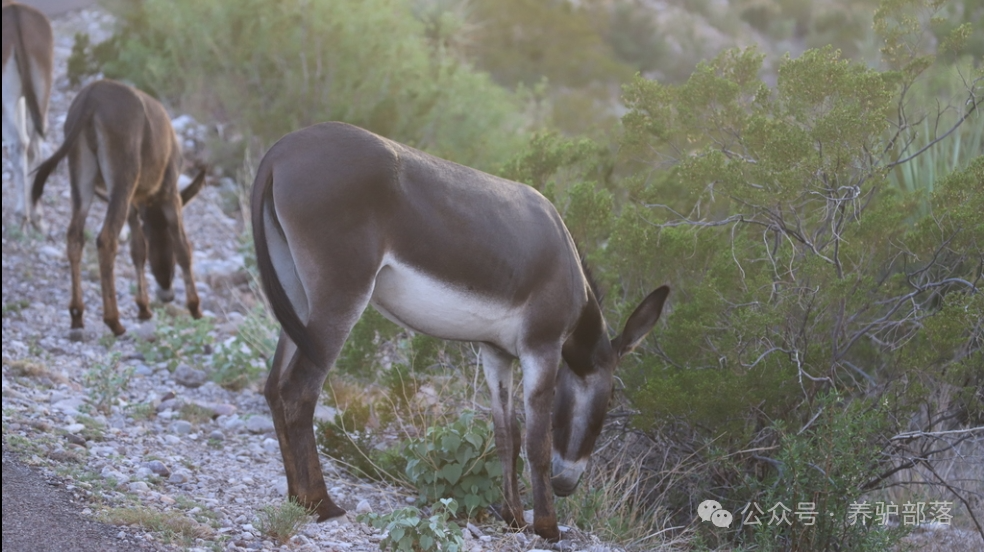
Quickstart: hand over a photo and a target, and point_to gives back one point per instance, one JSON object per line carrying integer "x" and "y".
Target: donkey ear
{"x": 191, "y": 190}
{"x": 641, "y": 321}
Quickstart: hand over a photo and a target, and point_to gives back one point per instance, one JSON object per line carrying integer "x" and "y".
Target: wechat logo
{"x": 710, "y": 510}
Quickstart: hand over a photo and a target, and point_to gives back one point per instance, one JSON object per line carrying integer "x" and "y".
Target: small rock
{"x": 259, "y": 424}
{"x": 110, "y": 473}
{"x": 157, "y": 467}
{"x": 74, "y": 428}
{"x": 146, "y": 331}
{"x": 75, "y": 439}
{"x": 178, "y": 478}
{"x": 181, "y": 427}
{"x": 143, "y": 370}
{"x": 411, "y": 499}
{"x": 363, "y": 507}
{"x": 272, "y": 446}
{"x": 528, "y": 516}
{"x": 189, "y": 377}
{"x": 138, "y": 487}
{"x": 51, "y": 251}
{"x": 231, "y": 424}
{"x": 223, "y": 409}
{"x": 62, "y": 455}
{"x": 216, "y": 435}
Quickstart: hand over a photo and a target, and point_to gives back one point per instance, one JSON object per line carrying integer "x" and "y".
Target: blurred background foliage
{"x": 808, "y": 176}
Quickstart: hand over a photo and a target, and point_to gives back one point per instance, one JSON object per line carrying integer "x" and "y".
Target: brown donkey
{"x": 120, "y": 139}
{"x": 28, "y": 50}
{"x": 344, "y": 219}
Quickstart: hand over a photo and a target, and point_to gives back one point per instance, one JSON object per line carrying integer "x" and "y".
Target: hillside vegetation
{"x": 815, "y": 202}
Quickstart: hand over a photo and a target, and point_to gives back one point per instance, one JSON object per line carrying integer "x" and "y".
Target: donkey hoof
{"x": 115, "y": 327}
{"x": 77, "y": 335}
{"x": 549, "y": 533}
{"x": 145, "y": 314}
{"x": 329, "y": 511}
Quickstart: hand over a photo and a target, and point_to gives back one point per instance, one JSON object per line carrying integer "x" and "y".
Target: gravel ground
{"x": 214, "y": 474}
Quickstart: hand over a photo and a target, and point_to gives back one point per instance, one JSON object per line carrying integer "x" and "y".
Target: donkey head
{"x": 159, "y": 219}
{"x": 584, "y": 387}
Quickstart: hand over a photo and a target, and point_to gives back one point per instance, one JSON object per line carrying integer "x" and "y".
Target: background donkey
{"x": 119, "y": 138}
{"x": 28, "y": 57}
{"x": 343, "y": 218}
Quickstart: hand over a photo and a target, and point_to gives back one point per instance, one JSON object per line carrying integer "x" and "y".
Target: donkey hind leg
{"x": 182, "y": 254}
{"x": 292, "y": 391}
{"x": 499, "y": 376}
{"x": 83, "y": 172}
{"x": 539, "y": 376}
{"x": 138, "y": 253}
{"x": 123, "y": 177}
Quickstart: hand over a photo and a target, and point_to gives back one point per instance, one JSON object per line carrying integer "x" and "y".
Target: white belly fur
{"x": 422, "y": 303}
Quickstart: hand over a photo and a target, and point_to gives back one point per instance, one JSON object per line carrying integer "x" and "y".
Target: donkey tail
{"x": 23, "y": 61}
{"x": 78, "y": 116}
{"x": 264, "y": 215}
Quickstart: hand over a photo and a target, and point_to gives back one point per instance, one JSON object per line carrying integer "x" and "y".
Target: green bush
{"x": 243, "y": 358}
{"x": 273, "y": 68}
{"x": 458, "y": 461}
{"x": 177, "y": 339}
{"x": 408, "y": 531}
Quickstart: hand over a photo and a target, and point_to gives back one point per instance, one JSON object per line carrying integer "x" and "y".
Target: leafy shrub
{"x": 281, "y": 521}
{"x": 458, "y": 461}
{"x": 105, "y": 381}
{"x": 177, "y": 339}
{"x": 275, "y": 68}
{"x": 243, "y": 358}
{"x": 408, "y": 531}
{"x": 348, "y": 439}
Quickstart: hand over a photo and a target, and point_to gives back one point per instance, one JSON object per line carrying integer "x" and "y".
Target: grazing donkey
{"x": 343, "y": 218}
{"x": 28, "y": 51}
{"x": 120, "y": 139}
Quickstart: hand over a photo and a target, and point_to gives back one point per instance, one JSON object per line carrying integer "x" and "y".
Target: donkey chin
{"x": 565, "y": 475}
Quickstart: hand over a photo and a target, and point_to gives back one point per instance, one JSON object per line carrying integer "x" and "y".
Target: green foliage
{"x": 242, "y": 359}
{"x": 408, "y": 531}
{"x": 458, "y": 461}
{"x": 276, "y": 68}
{"x": 281, "y": 521}
{"x": 178, "y": 339}
{"x": 828, "y": 466}
{"x": 349, "y": 440}
{"x": 358, "y": 356}
{"x": 525, "y": 40}
{"x": 105, "y": 381}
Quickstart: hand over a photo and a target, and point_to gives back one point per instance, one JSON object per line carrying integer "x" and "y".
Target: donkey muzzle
{"x": 165, "y": 295}
{"x": 565, "y": 475}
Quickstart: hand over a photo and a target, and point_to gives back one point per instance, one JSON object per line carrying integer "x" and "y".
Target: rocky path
{"x": 173, "y": 460}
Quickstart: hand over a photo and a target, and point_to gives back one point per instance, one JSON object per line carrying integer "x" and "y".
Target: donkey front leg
{"x": 499, "y": 376}
{"x": 539, "y": 377}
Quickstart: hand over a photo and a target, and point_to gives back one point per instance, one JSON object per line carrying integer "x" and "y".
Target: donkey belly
{"x": 423, "y": 303}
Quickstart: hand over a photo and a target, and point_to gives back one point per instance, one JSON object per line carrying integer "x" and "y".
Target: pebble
{"x": 189, "y": 377}
{"x": 259, "y": 424}
{"x": 181, "y": 427}
{"x": 157, "y": 468}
